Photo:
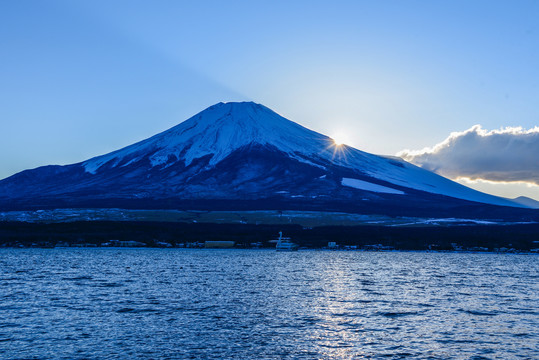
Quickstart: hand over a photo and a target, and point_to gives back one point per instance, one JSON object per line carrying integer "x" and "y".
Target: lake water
{"x": 249, "y": 304}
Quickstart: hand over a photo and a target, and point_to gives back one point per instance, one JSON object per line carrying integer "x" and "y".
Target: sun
{"x": 339, "y": 139}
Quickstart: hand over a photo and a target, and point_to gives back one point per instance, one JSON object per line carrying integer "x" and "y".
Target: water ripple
{"x": 235, "y": 304}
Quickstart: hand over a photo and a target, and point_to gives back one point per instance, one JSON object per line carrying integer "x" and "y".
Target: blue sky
{"x": 82, "y": 78}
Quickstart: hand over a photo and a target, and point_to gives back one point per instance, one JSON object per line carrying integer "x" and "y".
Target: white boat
{"x": 285, "y": 244}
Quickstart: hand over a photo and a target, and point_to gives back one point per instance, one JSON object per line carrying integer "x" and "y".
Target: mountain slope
{"x": 239, "y": 152}
{"x": 526, "y": 201}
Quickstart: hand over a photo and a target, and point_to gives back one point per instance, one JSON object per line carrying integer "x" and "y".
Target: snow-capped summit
{"x": 242, "y": 156}
{"x": 218, "y": 131}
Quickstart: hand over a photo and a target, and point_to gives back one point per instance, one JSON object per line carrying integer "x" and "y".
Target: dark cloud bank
{"x": 510, "y": 154}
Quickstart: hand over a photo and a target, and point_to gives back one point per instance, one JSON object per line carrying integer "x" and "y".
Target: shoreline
{"x": 476, "y": 238}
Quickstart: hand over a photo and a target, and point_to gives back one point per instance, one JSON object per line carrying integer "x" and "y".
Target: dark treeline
{"x": 520, "y": 237}
{"x": 423, "y": 205}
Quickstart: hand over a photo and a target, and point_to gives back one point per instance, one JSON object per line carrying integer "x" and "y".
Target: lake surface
{"x": 249, "y": 304}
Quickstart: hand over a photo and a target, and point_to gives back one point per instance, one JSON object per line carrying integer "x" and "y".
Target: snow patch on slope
{"x": 399, "y": 172}
{"x": 364, "y": 185}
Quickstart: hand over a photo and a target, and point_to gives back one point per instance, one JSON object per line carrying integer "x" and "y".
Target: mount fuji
{"x": 244, "y": 156}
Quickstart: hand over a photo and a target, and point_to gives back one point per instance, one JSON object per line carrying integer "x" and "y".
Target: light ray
{"x": 339, "y": 150}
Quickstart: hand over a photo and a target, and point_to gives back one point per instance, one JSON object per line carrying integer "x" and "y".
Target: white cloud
{"x": 506, "y": 155}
